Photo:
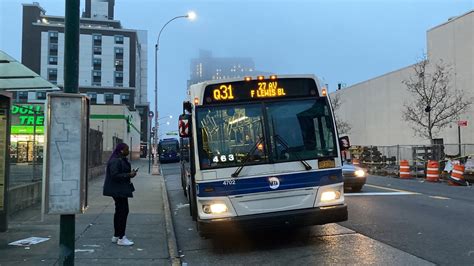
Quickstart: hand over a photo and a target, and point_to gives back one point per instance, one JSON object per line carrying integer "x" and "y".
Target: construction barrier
{"x": 432, "y": 171}
{"x": 457, "y": 176}
{"x": 404, "y": 169}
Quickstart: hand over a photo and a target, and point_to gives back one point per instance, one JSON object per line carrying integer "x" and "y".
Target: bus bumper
{"x": 293, "y": 218}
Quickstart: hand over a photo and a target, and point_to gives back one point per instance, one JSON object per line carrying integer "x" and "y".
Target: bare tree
{"x": 434, "y": 103}
{"x": 343, "y": 127}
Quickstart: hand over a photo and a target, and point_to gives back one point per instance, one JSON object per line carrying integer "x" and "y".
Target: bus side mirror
{"x": 188, "y": 107}
{"x": 344, "y": 143}
{"x": 184, "y": 124}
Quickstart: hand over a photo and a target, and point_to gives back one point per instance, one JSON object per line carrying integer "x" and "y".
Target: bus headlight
{"x": 216, "y": 208}
{"x": 330, "y": 196}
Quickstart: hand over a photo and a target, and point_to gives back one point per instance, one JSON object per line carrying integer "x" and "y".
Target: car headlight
{"x": 360, "y": 173}
{"x": 330, "y": 195}
{"x": 216, "y": 208}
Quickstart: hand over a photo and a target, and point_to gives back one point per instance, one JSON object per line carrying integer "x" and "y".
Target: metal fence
{"x": 95, "y": 148}
{"x": 412, "y": 153}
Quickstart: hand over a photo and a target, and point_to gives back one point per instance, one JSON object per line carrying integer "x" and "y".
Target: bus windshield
{"x": 226, "y": 135}
{"x": 301, "y": 130}
{"x": 168, "y": 146}
{"x": 297, "y": 130}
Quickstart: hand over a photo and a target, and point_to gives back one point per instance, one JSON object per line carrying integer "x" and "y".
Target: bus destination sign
{"x": 267, "y": 89}
{"x": 259, "y": 90}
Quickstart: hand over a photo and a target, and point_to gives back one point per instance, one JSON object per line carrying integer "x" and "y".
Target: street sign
{"x": 462, "y": 123}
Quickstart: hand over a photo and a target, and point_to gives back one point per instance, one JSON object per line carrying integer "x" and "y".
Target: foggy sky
{"x": 339, "y": 41}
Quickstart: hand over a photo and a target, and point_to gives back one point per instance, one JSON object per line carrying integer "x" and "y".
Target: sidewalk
{"x": 146, "y": 227}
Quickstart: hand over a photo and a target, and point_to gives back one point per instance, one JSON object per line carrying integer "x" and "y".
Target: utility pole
{"x": 71, "y": 85}
{"x": 459, "y": 139}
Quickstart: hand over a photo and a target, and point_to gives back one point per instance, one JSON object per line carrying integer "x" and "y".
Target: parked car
{"x": 354, "y": 176}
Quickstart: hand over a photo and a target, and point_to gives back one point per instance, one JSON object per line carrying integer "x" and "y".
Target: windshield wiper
{"x": 283, "y": 142}
{"x": 247, "y": 157}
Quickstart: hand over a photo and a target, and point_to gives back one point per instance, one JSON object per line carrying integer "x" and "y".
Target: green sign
{"x": 28, "y": 114}
{"x": 18, "y": 130}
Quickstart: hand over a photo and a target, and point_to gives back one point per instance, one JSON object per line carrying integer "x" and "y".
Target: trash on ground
{"x": 28, "y": 241}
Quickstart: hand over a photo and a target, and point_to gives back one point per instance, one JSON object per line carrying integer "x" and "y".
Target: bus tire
{"x": 183, "y": 186}
{"x": 192, "y": 204}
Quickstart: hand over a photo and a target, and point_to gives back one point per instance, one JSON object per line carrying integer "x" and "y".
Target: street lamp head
{"x": 191, "y": 15}
{"x": 171, "y": 116}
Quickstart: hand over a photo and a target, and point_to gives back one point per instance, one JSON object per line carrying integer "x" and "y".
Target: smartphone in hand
{"x": 136, "y": 169}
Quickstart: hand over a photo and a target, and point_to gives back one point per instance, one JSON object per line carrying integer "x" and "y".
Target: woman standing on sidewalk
{"x": 117, "y": 185}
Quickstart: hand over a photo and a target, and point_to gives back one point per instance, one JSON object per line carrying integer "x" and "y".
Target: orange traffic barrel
{"x": 457, "y": 176}
{"x": 432, "y": 171}
{"x": 404, "y": 169}
{"x": 355, "y": 162}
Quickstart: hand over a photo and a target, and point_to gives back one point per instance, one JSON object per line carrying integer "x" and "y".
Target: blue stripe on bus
{"x": 262, "y": 184}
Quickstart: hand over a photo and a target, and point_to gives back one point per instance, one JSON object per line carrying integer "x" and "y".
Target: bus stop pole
{"x": 71, "y": 85}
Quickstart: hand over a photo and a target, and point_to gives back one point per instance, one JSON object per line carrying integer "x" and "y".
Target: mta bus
{"x": 168, "y": 150}
{"x": 263, "y": 152}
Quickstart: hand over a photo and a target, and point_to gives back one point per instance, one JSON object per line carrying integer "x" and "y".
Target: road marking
{"x": 391, "y": 189}
{"x": 396, "y": 192}
{"x": 380, "y": 194}
{"x": 439, "y": 197}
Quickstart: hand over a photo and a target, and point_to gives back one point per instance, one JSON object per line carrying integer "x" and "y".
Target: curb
{"x": 170, "y": 235}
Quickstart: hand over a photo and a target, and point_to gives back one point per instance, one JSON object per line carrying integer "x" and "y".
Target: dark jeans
{"x": 120, "y": 216}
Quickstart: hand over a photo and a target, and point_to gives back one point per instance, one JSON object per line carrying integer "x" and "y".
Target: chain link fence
{"x": 385, "y": 160}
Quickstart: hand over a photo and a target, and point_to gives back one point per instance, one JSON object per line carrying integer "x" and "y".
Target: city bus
{"x": 263, "y": 152}
{"x": 168, "y": 150}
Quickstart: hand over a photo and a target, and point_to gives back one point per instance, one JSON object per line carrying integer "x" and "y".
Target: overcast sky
{"x": 345, "y": 41}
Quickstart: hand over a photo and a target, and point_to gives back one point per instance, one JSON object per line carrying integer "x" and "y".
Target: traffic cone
{"x": 457, "y": 178}
{"x": 404, "y": 169}
{"x": 432, "y": 171}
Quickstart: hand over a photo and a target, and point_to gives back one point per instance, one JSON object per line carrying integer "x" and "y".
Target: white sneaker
{"x": 124, "y": 242}
{"x": 114, "y": 239}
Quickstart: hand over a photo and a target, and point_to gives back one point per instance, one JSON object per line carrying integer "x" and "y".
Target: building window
{"x": 96, "y": 78}
{"x": 53, "y": 49}
{"x": 118, "y": 53}
{"x": 97, "y": 39}
{"x": 109, "y": 98}
{"x": 118, "y": 79}
{"x": 53, "y": 75}
{"x": 53, "y": 36}
{"x": 41, "y": 95}
{"x": 23, "y": 96}
{"x": 97, "y": 50}
{"x": 125, "y": 98}
{"x": 97, "y": 63}
{"x": 93, "y": 97}
{"x": 118, "y": 39}
{"x": 53, "y": 60}
{"x": 118, "y": 65}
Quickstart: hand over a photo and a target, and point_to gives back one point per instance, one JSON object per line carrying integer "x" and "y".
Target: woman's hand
{"x": 133, "y": 173}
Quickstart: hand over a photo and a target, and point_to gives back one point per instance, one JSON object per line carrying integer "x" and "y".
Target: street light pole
{"x": 156, "y": 168}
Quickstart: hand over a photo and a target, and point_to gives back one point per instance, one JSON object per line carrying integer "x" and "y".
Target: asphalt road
{"x": 432, "y": 221}
{"x": 391, "y": 222}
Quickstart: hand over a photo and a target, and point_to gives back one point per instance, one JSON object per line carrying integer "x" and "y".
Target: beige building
{"x": 118, "y": 124}
{"x": 374, "y": 107}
